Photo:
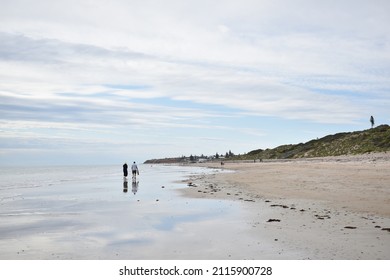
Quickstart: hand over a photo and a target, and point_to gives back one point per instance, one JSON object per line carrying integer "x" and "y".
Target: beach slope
{"x": 325, "y": 208}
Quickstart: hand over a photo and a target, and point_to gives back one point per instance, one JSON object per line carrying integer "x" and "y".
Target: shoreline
{"x": 358, "y": 183}
{"x": 325, "y": 208}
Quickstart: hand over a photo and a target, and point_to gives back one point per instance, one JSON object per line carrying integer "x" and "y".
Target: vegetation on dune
{"x": 346, "y": 143}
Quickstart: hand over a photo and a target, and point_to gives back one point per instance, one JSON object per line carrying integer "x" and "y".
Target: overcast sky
{"x": 103, "y": 82}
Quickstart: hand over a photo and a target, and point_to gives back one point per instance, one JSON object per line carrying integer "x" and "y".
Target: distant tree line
{"x": 228, "y": 154}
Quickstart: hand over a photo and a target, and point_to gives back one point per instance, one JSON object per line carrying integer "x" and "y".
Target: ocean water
{"x": 91, "y": 212}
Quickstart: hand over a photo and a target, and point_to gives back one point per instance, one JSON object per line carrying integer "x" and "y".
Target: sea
{"x": 93, "y": 212}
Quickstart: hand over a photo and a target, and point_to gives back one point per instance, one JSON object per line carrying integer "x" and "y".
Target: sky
{"x": 104, "y": 82}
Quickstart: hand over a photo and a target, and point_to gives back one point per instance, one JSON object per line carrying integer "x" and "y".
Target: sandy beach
{"x": 323, "y": 208}
{"x": 91, "y": 212}
{"x": 333, "y": 208}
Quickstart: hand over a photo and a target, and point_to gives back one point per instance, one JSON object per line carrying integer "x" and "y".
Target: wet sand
{"x": 318, "y": 209}
{"x": 94, "y": 214}
{"x": 324, "y": 208}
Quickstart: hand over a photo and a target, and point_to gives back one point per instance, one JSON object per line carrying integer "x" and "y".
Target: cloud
{"x": 22, "y": 48}
{"x": 108, "y": 67}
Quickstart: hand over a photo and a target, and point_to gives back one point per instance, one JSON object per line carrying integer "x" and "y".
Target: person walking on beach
{"x": 134, "y": 170}
{"x": 125, "y": 170}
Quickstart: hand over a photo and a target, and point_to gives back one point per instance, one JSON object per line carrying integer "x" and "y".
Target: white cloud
{"x": 191, "y": 64}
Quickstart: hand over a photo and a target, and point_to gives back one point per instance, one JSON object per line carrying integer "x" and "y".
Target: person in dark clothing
{"x": 372, "y": 121}
{"x": 125, "y": 170}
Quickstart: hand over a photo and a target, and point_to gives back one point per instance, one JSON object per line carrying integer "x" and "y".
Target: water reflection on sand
{"x": 102, "y": 218}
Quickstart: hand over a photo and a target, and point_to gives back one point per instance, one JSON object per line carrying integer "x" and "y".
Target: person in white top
{"x": 134, "y": 170}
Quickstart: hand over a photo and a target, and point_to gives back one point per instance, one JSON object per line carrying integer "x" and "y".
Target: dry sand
{"x": 323, "y": 208}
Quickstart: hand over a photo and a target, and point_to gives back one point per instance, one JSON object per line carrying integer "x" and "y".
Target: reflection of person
{"x": 134, "y": 170}
{"x": 125, "y": 169}
{"x": 134, "y": 186}
{"x": 125, "y": 186}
